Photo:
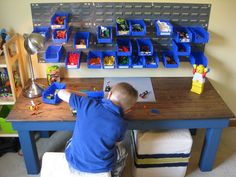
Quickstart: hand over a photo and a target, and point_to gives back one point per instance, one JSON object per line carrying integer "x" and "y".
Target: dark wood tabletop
{"x": 174, "y": 101}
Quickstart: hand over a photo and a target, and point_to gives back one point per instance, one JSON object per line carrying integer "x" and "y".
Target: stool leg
{"x": 210, "y": 147}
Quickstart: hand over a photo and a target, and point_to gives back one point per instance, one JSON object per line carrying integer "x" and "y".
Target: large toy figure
{"x": 4, "y": 37}
{"x": 198, "y": 78}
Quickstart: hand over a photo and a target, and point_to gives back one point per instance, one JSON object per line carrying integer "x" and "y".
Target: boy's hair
{"x": 125, "y": 94}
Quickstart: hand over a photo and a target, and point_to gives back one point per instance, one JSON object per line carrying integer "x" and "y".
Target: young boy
{"x": 99, "y": 126}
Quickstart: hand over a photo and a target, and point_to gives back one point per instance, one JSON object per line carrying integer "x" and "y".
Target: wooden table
{"x": 179, "y": 108}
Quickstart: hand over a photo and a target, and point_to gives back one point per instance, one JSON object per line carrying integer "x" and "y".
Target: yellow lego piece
{"x": 197, "y": 87}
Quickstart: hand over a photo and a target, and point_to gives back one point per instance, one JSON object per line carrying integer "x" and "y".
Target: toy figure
{"x": 3, "y": 39}
{"x": 198, "y": 78}
{"x": 53, "y": 74}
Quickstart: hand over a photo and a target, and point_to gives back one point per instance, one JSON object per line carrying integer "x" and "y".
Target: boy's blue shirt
{"x": 99, "y": 125}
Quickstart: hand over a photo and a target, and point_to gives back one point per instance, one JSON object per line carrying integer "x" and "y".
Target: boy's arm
{"x": 65, "y": 94}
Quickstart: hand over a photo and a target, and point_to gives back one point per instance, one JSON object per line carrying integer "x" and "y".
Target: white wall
{"x": 15, "y": 16}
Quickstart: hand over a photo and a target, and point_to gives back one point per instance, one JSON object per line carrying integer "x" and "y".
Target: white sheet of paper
{"x": 140, "y": 84}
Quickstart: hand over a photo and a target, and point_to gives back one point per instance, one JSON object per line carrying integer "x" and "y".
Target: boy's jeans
{"x": 120, "y": 162}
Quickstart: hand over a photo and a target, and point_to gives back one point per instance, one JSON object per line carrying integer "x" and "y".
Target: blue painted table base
{"x": 212, "y": 137}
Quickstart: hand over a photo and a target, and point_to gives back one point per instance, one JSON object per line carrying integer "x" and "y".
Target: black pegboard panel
{"x": 87, "y": 16}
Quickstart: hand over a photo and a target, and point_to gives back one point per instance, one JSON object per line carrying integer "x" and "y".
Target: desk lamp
{"x": 32, "y": 43}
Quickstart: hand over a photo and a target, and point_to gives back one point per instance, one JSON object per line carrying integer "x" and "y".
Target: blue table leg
{"x": 29, "y": 150}
{"x": 210, "y": 147}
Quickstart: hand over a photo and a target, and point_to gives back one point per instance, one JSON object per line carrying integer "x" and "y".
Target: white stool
{"x": 54, "y": 164}
{"x": 160, "y": 153}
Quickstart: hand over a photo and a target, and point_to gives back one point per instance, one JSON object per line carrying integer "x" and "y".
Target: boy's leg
{"x": 120, "y": 162}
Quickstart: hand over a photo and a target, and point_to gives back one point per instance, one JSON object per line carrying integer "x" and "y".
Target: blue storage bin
{"x": 137, "y": 62}
{"x": 140, "y": 23}
{"x": 109, "y": 54}
{"x": 91, "y": 55}
{"x": 60, "y": 40}
{"x": 151, "y": 61}
{"x": 198, "y": 58}
{"x": 55, "y": 25}
{"x": 200, "y": 35}
{"x": 144, "y": 44}
{"x": 174, "y": 63}
{"x": 81, "y": 40}
{"x": 181, "y": 49}
{"x": 163, "y": 28}
{"x": 50, "y": 96}
{"x": 121, "y": 43}
{"x": 101, "y": 39}
{"x": 121, "y": 64}
{"x": 123, "y": 33}
{"x": 53, "y": 54}
{"x": 78, "y": 60}
{"x": 182, "y": 34}
{"x": 43, "y": 30}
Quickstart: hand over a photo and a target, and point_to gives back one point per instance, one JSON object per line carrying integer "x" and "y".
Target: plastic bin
{"x": 124, "y": 47}
{"x": 43, "y": 30}
{"x": 5, "y": 127}
{"x": 137, "y": 62}
{"x": 181, "y": 49}
{"x": 75, "y": 58}
{"x": 123, "y": 61}
{"x": 173, "y": 63}
{"x": 102, "y": 39}
{"x": 60, "y": 23}
{"x": 198, "y": 58}
{"x": 182, "y": 34}
{"x": 140, "y": 23}
{"x": 91, "y": 59}
{"x": 119, "y": 32}
{"x": 151, "y": 61}
{"x": 199, "y": 35}
{"x": 50, "y": 96}
{"x": 109, "y": 65}
{"x": 61, "y": 39}
{"x": 163, "y": 28}
{"x": 144, "y": 44}
{"x": 53, "y": 54}
{"x": 81, "y": 40}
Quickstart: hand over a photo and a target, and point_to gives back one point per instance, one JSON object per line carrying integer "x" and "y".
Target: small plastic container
{"x": 199, "y": 35}
{"x": 63, "y": 35}
{"x": 103, "y": 39}
{"x": 75, "y": 60}
{"x": 124, "y": 47}
{"x": 145, "y": 47}
{"x": 5, "y": 126}
{"x": 137, "y": 62}
{"x": 151, "y": 61}
{"x": 170, "y": 60}
{"x": 136, "y": 24}
{"x": 43, "y": 30}
{"x": 53, "y": 53}
{"x": 181, "y": 49}
{"x": 182, "y": 34}
{"x": 81, "y": 40}
{"x": 92, "y": 59}
{"x": 59, "y": 20}
{"x": 123, "y": 62}
{"x": 50, "y": 96}
{"x": 107, "y": 64}
{"x": 163, "y": 28}
{"x": 119, "y": 32}
{"x": 198, "y": 58}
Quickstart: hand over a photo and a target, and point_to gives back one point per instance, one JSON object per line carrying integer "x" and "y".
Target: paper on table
{"x": 140, "y": 84}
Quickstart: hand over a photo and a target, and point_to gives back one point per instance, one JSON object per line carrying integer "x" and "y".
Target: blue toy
{"x": 3, "y": 39}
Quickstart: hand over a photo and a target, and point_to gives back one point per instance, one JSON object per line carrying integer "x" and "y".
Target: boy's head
{"x": 124, "y": 95}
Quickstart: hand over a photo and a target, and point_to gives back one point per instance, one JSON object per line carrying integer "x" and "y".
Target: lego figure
{"x": 4, "y": 37}
{"x": 198, "y": 78}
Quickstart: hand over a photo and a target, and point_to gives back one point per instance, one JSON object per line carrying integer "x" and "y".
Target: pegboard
{"x": 87, "y": 16}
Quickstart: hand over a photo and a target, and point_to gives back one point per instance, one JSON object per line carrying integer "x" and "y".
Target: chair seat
{"x": 54, "y": 164}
